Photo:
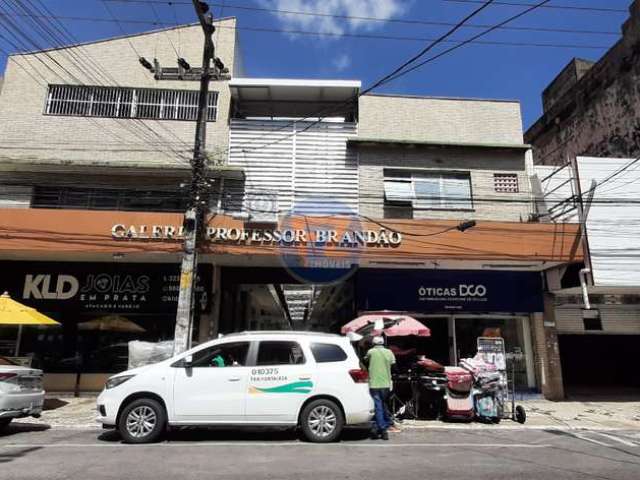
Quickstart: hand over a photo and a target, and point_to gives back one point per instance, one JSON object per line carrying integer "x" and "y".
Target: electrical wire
{"x": 328, "y": 111}
{"x": 555, "y": 7}
{"x": 469, "y": 40}
{"x": 315, "y": 14}
{"x": 78, "y": 63}
{"x": 502, "y": 3}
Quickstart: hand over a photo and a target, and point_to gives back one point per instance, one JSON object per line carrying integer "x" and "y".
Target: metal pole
{"x": 194, "y": 216}
{"x": 18, "y": 340}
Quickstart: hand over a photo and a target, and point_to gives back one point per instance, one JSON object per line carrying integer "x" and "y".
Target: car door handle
{"x": 234, "y": 379}
{"x": 304, "y": 377}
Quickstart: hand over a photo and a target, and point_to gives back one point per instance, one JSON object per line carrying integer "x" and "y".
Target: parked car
{"x": 21, "y": 392}
{"x": 310, "y": 380}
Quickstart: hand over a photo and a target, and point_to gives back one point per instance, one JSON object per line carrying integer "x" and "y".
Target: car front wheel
{"x": 4, "y": 423}
{"x": 321, "y": 421}
{"x": 142, "y": 421}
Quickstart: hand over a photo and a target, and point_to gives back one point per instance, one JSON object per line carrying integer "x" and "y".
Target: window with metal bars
{"x": 107, "y": 199}
{"x": 125, "y": 102}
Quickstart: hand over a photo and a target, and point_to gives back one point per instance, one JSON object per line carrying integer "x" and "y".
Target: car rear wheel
{"x": 322, "y": 421}
{"x": 142, "y": 421}
{"x": 4, "y": 423}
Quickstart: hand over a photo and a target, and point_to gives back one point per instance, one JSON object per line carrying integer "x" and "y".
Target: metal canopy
{"x": 265, "y": 97}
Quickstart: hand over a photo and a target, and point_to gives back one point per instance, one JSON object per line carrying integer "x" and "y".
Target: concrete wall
{"x": 599, "y": 115}
{"x": 440, "y": 119}
{"x": 480, "y": 163}
{"x": 29, "y": 136}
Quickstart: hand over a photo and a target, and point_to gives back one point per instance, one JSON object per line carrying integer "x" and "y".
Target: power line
{"x": 80, "y": 65}
{"x": 322, "y": 113}
{"x": 430, "y": 46}
{"x": 501, "y": 3}
{"x": 362, "y": 36}
{"x": 470, "y": 40}
{"x": 555, "y": 7}
{"x": 400, "y": 21}
{"x": 155, "y": 12}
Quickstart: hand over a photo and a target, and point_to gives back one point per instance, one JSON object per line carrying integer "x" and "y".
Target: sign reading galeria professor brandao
{"x": 286, "y": 236}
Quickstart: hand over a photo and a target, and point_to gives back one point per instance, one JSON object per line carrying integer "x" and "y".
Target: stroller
{"x": 459, "y": 397}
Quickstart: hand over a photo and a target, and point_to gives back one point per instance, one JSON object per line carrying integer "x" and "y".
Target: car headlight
{"x": 115, "y": 381}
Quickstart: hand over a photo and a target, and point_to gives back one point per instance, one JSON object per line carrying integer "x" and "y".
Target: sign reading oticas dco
{"x": 348, "y": 238}
{"x": 449, "y": 290}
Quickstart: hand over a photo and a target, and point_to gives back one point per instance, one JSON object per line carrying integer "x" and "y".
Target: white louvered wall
{"x": 307, "y": 164}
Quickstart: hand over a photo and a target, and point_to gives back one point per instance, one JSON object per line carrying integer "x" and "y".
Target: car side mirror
{"x": 188, "y": 361}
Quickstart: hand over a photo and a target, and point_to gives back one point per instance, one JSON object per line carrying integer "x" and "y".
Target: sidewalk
{"x": 63, "y": 411}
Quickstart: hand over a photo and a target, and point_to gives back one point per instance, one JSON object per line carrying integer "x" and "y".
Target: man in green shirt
{"x": 380, "y": 360}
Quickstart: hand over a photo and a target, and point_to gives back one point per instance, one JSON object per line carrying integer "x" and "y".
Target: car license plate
{"x": 30, "y": 383}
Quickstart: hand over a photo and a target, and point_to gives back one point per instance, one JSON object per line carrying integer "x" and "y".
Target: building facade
{"x": 323, "y": 204}
{"x": 593, "y": 108}
{"x": 596, "y": 315}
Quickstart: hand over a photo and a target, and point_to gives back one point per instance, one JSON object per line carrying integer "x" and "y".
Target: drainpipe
{"x": 583, "y": 283}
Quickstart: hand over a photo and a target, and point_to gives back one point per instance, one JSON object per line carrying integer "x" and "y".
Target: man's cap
{"x": 378, "y": 340}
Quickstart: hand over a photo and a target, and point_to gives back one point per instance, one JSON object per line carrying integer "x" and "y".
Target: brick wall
{"x": 480, "y": 163}
{"x": 440, "y": 120}
{"x": 29, "y": 136}
{"x": 599, "y": 115}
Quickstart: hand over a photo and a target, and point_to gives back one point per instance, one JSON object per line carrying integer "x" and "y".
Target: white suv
{"x": 254, "y": 378}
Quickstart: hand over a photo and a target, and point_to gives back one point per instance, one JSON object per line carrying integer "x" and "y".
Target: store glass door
{"x": 512, "y": 329}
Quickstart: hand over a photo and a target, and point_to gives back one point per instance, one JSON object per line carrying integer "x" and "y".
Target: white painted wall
{"x": 306, "y": 165}
{"x": 612, "y": 216}
{"x": 613, "y": 220}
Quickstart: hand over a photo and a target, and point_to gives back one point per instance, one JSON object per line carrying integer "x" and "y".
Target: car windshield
{"x": 6, "y": 361}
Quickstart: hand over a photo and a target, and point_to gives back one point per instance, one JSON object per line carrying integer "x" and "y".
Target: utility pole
{"x": 194, "y": 216}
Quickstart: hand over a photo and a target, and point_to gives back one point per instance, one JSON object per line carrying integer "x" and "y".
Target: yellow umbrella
{"x": 14, "y": 313}
{"x": 111, "y": 323}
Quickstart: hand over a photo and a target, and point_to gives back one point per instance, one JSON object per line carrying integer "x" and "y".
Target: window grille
{"x": 506, "y": 182}
{"x": 124, "y": 102}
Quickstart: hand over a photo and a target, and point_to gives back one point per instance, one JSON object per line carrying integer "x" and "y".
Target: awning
{"x": 268, "y": 97}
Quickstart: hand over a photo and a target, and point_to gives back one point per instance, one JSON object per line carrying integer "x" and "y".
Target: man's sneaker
{"x": 384, "y": 435}
{"x": 374, "y": 435}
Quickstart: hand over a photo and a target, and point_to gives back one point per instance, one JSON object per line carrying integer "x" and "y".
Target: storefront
{"x": 101, "y": 307}
{"x": 459, "y": 306}
{"x": 464, "y": 284}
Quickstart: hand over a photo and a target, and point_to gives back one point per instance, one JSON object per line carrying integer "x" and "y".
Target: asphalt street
{"x": 35, "y": 452}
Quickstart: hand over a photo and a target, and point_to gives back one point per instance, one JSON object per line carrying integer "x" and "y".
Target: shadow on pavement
{"x": 9, "y": 455}
{"x": 244, "y": 434}
{"x": 53, "y": 404}
{"x": 23, "y": 427}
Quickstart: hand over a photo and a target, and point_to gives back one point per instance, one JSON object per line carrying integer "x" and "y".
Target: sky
{"x": 351, "y": 48}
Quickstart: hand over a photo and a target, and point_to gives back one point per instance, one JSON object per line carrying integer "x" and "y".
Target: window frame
{"x": 137, "y": 97}
{"x": 247, "y": 360}
{"x": 327, "y": 344}
{"x": 259, "y": 343}
{"x": 413, "y": 176}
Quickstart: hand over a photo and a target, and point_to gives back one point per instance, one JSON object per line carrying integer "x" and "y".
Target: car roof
{"x": 281, "y": 333}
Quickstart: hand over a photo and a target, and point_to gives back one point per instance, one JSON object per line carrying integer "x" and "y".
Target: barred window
{"x": 123, "y": 102}
{"x": 80, "y": 198}
{"x": 506, "y": 182}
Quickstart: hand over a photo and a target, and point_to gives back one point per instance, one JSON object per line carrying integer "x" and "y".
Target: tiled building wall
{"x": 440, "y": 120}
{"x": 480, "y": 163}
{"x": 26, "y": 135}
